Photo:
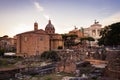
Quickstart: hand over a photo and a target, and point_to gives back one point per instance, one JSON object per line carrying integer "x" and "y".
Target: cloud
{"x": 41, "y": 9}
{"x": 111, "y": 19}
{"x": 37, "y": 5}
{"x": 46, "y": 16}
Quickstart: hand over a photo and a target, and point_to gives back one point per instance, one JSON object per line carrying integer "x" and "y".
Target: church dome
{"x": 49, "y": 25}
{"x": 50, "y": 28}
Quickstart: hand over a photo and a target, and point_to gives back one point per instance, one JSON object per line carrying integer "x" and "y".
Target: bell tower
{"x": 35, "y": 26}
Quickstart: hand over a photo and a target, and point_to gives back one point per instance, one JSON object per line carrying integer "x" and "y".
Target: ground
{"x": 52, "y": 76}
{"x": 8, "y": 62}
{"x": 47, "y": 77}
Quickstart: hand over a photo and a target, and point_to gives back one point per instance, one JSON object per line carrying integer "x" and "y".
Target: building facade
{"x": 8, "y": 44}
{"x": 37, "y": 41}
{"x": 77, "y": 32}
{"x": 93, "y": 31}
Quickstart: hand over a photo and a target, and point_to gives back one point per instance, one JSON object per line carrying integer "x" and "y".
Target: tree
{"x": 90, "y": 39}
{"x": 69, "y": 40}
{"x": 5, "y": 36}
{"x": 87, "y": 39}
{"x": 50, "y": 55}
{"x": 2, "y": 51}
{"x": 110, "y": 35}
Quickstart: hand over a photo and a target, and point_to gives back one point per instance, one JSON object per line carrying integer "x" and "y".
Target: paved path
{"x": 93, "y": 61}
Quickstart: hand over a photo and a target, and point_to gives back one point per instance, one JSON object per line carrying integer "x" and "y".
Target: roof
{"x": 96, "y": 24}
{"x": 40, "y": 31}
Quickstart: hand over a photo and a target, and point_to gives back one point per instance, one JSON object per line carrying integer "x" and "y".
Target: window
{"x": 41, "y": 38}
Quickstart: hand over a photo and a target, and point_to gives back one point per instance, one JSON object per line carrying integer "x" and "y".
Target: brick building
{"x": 77, "y": 32}
{"x": 37, "y": 41}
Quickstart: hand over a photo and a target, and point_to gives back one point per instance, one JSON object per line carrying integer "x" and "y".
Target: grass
{"x": 8, "y": 62}
{"x": 67, "y": 74}
{"x": 47, "y": 77}
{"x": 52, "y": 76}
{"x": 7, "y": 66}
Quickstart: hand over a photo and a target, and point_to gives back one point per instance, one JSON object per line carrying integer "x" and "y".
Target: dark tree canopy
{"x": 110, "y": 35}
{"x": 2, "y": 51}
{"x": 50, "y": 55}
{"x": 5, "y": 36}
{"x": 69, "y": 40}
{"x": 90, "y": 39}
{"x": 87, "y": 38}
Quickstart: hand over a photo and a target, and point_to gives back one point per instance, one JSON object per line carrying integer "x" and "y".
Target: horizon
{"x": 18, "y": 16}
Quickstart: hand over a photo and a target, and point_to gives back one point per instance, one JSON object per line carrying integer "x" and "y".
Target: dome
{"x": 49, "y": 25}
{"x": 50, "y": 28}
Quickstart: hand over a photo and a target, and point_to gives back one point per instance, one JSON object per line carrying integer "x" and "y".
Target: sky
{"x": 17, "y": 16}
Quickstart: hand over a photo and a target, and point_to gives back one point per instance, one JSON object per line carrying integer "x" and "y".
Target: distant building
{"x": 77, "y": 32}
{"x": 93, "y": 31}
{"x": 7, "y": 43}
{"x": 37, "y": 41}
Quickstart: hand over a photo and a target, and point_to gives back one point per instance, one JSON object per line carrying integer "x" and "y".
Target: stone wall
{"x": 113, "y": 68}
{"x": 112, "y": 54}
{"x": 32, "y": 44}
